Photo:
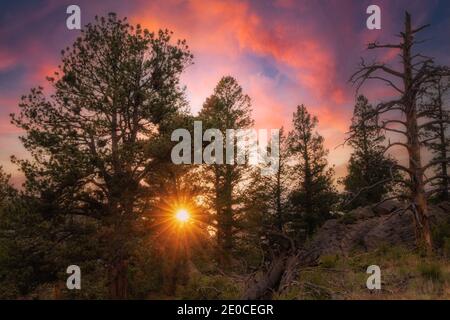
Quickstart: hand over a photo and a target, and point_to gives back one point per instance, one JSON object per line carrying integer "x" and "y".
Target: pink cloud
{"x": 226, "y": 29}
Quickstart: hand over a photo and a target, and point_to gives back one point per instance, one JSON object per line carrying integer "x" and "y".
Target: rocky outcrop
{"x": 366, "y": 229}
{"x": 361, "y": 229}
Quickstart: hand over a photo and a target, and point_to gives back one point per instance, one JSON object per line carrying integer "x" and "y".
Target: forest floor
{"x": 404, "y": 275}
{"x": 334, "y": 262}
{"x": 334, "y": 266}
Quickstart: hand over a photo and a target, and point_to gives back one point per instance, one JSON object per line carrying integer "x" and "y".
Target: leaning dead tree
{"x": 416, "y": 73}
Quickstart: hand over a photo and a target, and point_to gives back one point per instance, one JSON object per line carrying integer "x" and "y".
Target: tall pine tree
{"x": 90, "y": 140}
{"x": 227, "y": 108}
{"x": 314, "y": 193}
{"x": 434, "y": 104}
{"x": 368, "y": 164}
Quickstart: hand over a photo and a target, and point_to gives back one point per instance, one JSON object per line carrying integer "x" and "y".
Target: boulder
{"x": 386, "y": 207}
{"x": 369, "y": 231}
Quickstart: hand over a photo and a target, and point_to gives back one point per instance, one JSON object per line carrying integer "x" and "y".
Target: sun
{"x": 182, "y": 215}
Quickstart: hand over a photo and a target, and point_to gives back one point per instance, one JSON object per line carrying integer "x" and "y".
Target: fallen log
{"x": 280, "y": 271}
{"x": 267, "y": 282}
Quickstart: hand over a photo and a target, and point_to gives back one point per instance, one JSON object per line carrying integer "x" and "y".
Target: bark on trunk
{"x": 118, "y": 281}
{"x": 228, "y": 209}
{"x": 443, "y": 149}
{"x": 278, "y": 201}
{"x": 225, "y": 220}
{"x": 415, "y": 164}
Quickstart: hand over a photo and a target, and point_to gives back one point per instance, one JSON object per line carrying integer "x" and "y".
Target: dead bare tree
{"x": 417, "y": 71}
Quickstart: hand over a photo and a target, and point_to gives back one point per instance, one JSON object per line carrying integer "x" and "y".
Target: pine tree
{"x": 266, "y": 205}
{"x": 227, "y": 108}
{"x": 314, "y": 193}
{"x": 436, "y": 138}
{"x": 90, "y": 140}
{"x": 367, "y": 165}
{"x": 279, "y": 185}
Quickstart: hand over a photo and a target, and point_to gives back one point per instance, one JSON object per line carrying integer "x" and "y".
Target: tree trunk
{"x": 57, "y": 290}
{"x": 228, "y": 217}
{"x": 218, "y": 209}
{"x": 278, "y": 202}
{"x": 415, "y": 165}
{"x": 224, "y": 211}
{"x": 443, "y": 150}
{"x": 118, "y": 280}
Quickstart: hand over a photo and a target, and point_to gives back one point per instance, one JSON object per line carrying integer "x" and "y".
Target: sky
{"x": 282, "y": 52}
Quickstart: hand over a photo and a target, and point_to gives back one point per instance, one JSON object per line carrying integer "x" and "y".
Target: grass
{"x": 328, "y": 261}
{"x": 203, "y": 287}
{"x": 431, "y": 271}
{"x": 404, "y": 275}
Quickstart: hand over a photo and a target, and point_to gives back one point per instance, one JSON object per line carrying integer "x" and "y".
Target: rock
{"x": 363, "y": 213}
{"x": 371, "y": 229}
{"x": 386, "y": 207}
{"x": 445, "y": 206}
{"x": 368, "y": 232}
